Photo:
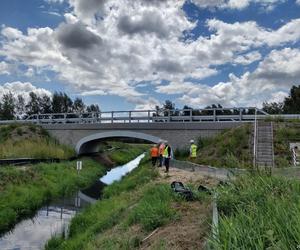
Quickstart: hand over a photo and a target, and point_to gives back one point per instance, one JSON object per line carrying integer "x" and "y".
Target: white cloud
{"x": 22, "y": 88}
{"x": 5, "y": 68}
{"x": 109, "y": 47}
{"x": 237, "y": 4}
{"x": 298, "y": 2}
{"x": 248, "y": 58}
{"x": 269, "y": 82}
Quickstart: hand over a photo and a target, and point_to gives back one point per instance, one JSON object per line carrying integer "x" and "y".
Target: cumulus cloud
{"x": 236, "y": 4}
{"x": 5, "y": 68}
{"x": 149, "y": 22}
{"x": 22, "y": 88}
{"x": 269, "y": 82}
{"x": 77, "y": 36}
{"x": 109, "y": 47}
{"x": 248, "y": 58}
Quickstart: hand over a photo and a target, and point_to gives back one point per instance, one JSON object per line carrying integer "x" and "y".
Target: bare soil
{"x": 189, "y": 232}
{"x": 186, "y": 177}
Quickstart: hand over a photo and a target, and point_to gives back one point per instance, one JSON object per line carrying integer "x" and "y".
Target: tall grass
{"x": 229, "y": 149}
{"x": 154, "y": 209}
{"x": 285, "y": 133}
{"x": 17, "y": 140}
{"x": 139, "y": 176}
{"x": 104, "y": 214}
{"x": 259, "y": 212}
{"x": 36, "y": 148}
{"x": 125, "y": 151}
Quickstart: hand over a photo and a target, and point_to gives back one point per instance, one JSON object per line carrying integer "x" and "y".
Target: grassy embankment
{"x": 229, "y": 149}
{"x": 232, "y": 148}
{"x": 24, "y": 190}
{"x": 30, "y": 141}
{"x": 284, "y": 133}
{"x": 259, "y": 212}
{"x": 130, "y": 210}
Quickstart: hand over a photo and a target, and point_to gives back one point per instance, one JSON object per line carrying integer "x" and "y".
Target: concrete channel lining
{"x": 83, "y": 144}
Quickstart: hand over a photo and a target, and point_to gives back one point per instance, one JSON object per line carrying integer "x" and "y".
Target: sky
{"x": 125, "y": 54}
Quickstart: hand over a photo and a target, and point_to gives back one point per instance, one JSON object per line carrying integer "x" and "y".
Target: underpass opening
{"x": 89, "y": 144}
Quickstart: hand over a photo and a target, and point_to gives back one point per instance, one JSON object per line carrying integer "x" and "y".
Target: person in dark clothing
{"x": 167, "y": 156}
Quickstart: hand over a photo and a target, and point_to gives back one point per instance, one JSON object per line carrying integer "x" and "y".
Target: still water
{"x": 54, "y": 219}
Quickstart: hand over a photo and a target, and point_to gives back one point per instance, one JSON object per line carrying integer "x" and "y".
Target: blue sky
{"x": 126, "y": 54}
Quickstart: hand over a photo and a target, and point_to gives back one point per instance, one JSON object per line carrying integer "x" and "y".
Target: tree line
{"x": 18, "y": 108}
{"x": 290, "y": 105}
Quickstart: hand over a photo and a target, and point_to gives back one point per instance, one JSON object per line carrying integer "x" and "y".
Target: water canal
{"x": 54, "y": 219}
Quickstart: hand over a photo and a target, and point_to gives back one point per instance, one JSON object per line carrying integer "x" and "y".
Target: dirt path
{"x": 186, "y": 177}
{"x": 188, "y": 232}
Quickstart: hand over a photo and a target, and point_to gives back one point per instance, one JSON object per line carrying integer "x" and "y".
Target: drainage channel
{"x": 54, "y": 219}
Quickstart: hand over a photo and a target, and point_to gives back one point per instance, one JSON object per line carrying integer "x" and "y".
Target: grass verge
{"x": 259, "y": 212}
{"x": 229, "y": 149}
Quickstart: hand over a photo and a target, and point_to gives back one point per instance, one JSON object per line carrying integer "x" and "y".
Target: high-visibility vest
{"x": 166, "y": 153}
{"x": 193, "y": 150}
{"x": 154, "y": 152}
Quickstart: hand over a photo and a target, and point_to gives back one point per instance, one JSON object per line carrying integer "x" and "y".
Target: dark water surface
{"x": 54, "y": 219}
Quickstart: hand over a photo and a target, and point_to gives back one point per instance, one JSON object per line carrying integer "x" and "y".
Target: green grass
{"x": 259, "y": 212}
{"x": 230, "y": 149}
{"x": 106, "y": 213}
{"x": 139, "y": 176}
{"x": 284, "y": 133}
{"x": 24, "y": 191}
{"x": 125, "y": 151}
{"x": 17, "y": 141}
{"x": 154, "y": 209}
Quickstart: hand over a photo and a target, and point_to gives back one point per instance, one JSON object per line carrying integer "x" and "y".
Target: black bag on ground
{"x": 178, "y": 187}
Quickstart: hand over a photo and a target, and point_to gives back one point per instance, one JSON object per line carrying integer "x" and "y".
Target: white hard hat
{"x": 192, "y": 141}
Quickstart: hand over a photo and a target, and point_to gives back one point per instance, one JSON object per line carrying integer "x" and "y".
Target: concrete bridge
{"x": 84, "y": 131}
{"x": 85, "y": 137}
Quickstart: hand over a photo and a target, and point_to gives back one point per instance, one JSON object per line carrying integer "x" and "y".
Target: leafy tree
{"x": 61, "y": 103}
{"x": 7, "y": 111}
{"x": 93, "y": 108}
{"x": 20, "y": 109}
{"x": 273, "y": 107}
{"x": 33, "y": 106}
{"x": 291, "y": 103}
{"x": 45, "y": 104}
{"x": 78, "y": 105}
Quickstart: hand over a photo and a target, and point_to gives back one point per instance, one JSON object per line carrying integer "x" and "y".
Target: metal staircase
{"x": 264, "y": 155}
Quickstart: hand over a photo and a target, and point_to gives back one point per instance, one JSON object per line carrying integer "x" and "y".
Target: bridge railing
{"x": 154, "y": 116}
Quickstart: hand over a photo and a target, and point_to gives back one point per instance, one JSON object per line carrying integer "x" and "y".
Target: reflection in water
{"x": 54, "y": 219}
{"x": 48, "y": 221}
{"x": 117, "y": 173}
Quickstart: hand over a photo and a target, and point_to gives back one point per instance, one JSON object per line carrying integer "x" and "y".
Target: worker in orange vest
{"x": 154, "y": 154}
{"x": 161, "y": 150}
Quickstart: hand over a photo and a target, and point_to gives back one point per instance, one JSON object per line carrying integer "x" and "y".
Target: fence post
{"x": 215, "y": 115}
{"x": 129, "y": 116}
{"x": 241, "y": 114}
{"x": 112, "y": 116}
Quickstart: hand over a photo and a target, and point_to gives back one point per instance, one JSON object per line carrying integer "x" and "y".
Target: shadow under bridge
{"x": 89, "y": 144}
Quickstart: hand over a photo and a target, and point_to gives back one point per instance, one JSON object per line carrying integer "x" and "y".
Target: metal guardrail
{"x": 248, "y": 114}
